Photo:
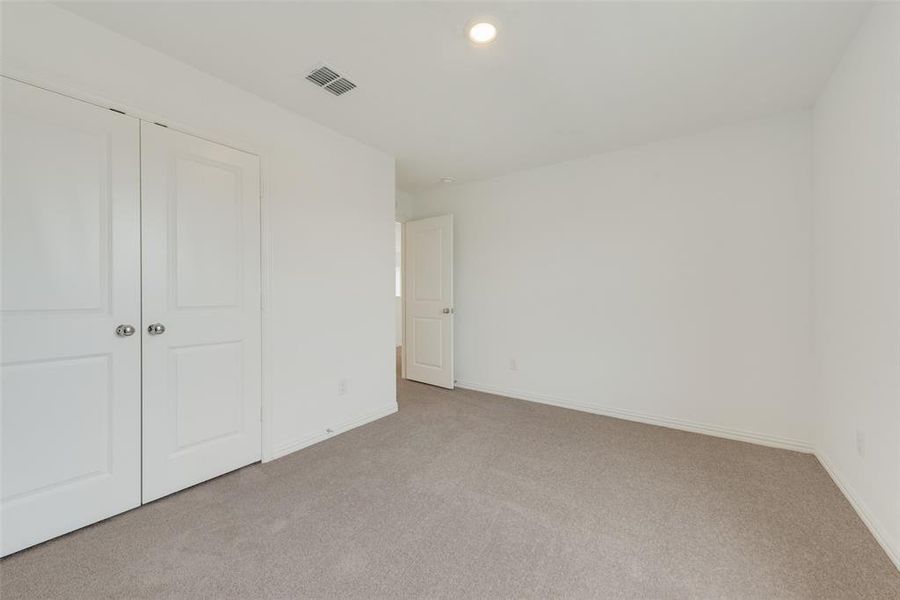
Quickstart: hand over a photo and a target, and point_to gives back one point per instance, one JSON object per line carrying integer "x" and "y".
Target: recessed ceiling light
{"x": 447, "y": 180}
{"x": 483, "y": 33}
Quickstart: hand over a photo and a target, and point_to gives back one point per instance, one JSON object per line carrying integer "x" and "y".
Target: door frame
{"x": 265, "y": 237}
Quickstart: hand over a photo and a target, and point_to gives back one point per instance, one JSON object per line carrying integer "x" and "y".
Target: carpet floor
{"x": 468, "y": 495}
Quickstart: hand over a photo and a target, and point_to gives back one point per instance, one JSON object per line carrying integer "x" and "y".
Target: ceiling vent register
{"x": 329, "y": 79}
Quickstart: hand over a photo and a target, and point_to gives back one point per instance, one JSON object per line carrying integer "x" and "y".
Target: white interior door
{"x": 201, "y": 283}
{"x": 70, "y": 415}
{"x": 428, "y": 336}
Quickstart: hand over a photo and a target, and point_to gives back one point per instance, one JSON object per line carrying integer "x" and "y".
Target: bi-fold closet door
{"x": 130, "y": 313}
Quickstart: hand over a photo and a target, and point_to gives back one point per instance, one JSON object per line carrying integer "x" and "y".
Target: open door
{"x": 428, "y": 335}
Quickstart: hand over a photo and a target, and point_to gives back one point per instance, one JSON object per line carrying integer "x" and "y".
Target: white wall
{"x": 668, "y": 283}
{"x": 856, "y": 185}
{"x": 403, "y": 208}
{"x": 330, "y": 306}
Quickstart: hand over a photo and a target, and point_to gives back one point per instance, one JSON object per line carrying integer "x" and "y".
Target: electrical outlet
{"x": 343, "y": 386}
{"x": 860, "y": 443}
{"x": 513, "y": 365}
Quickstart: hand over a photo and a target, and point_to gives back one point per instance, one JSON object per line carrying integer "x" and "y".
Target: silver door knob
{"x": 156, "y": 329}
{"x": 124, "y": 330}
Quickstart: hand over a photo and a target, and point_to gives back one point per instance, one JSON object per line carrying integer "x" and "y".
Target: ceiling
{"x": 562, "y": 80}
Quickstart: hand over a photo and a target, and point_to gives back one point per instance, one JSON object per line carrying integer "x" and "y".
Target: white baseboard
{"x": 334, "y": 430}
{"x": 650, "y": 419}
{"x": 890, "y": 546}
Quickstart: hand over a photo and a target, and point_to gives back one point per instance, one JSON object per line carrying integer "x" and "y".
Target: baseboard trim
{"x": 890, "y": 546}
{"x": 649, "y": 419}
{"x": 332, "y": 431}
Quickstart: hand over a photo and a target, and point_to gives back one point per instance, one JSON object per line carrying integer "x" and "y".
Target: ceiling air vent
{"x": 341, "y": 86}
{"x": 331, "y": 80}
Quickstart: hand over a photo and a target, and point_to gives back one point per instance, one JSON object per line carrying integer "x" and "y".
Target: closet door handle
{"x": 125, "y": 330}
{"x": 156, "y": 329}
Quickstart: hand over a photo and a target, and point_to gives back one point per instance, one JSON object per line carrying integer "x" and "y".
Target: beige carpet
{"x": 468, "y": 495}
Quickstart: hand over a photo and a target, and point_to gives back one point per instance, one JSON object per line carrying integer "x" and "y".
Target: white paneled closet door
{"x": 70, "y": 418}
{"x": 201, "y": 306}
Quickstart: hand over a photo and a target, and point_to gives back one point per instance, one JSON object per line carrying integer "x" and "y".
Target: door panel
{"x": 70, "y": 415}
{"x": 208, "y": 396}
{"x": 73, "y": 390}
{"x": 428, "y": 341}
{"x": 202, "y": 383}
{"x": 206, "y": 247}
{"x": 429, "y": 301}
